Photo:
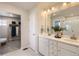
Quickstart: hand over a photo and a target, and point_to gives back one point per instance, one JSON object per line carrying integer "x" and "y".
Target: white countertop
{"x": 64, "y": 39}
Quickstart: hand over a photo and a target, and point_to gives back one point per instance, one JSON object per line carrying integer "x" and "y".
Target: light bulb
{"x": 44, "y": 12}
{"x": 53, "y": 8}
{"x": 64, "y": 4}
{"x": 48, "y": 10}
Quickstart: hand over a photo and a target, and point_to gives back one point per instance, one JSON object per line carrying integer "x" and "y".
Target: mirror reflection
{"x": 68, "y": 22}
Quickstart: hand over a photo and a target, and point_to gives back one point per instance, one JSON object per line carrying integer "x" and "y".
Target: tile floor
{"x": 28, "y": 52}
{"x": 10, "y": 46}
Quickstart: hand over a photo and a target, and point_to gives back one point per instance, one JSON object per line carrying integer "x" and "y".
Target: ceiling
{"x": 30, "y": 5}
{"x": 23, "y": 5}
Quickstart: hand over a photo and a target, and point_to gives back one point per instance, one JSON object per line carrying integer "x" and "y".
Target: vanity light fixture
{"x": 53, "y": 8}
{"x": 69, "y": 4}
{"x": 48, "y": 10}
{"x": 45, "y": 12}
{"x": 74, "y": 3}
{"x": 65, "y": 4}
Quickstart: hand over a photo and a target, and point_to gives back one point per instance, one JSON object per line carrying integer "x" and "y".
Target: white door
{"x": 33, "y": 31}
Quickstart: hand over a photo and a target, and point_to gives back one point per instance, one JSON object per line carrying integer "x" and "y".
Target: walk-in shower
{"x": 10, "y": 32}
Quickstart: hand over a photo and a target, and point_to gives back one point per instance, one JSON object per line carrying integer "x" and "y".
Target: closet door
{"x": 33, "y": 30}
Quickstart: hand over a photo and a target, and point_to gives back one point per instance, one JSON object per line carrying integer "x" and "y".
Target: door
{"x": 33, "y": 31}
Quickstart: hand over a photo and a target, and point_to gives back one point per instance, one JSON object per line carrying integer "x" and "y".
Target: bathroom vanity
{"x": 51, "y": 46}
{"x": 68, "y": 44}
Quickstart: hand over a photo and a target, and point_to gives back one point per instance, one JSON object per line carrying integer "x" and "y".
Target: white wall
{"x": 39, "y": 19}
{"x": 24, "y": 21}
{"x": 42, "y": 18}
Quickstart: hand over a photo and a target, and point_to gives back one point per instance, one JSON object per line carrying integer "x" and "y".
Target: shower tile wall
{"x": 4, "y": 26}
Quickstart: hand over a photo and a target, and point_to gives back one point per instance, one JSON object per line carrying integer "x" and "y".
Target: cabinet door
{"x": 66, "y": 50}
{"x": 43, "y": 46}
{"x": 52, "y": 48}
{"x": 63, "y": 52}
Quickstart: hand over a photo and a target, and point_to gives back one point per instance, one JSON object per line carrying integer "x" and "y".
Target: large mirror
{"x": 67, "y": 19}
{"x": 72, "y": 26}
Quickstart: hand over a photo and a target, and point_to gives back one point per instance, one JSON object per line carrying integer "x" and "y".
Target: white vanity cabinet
{"x": 64, "y": 52}
{"x": 52, "y": 47}
{"x": 67, "y": 49}
{"x": 43, "y": 46}
{"x": 57, "y": 47}
{"x": 47, "y": 47}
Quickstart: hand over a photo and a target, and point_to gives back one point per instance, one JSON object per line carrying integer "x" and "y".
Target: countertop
{"x": 64, "y": 39}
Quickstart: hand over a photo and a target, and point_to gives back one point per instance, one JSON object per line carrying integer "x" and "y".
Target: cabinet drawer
{"x": 69, "y": 47}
